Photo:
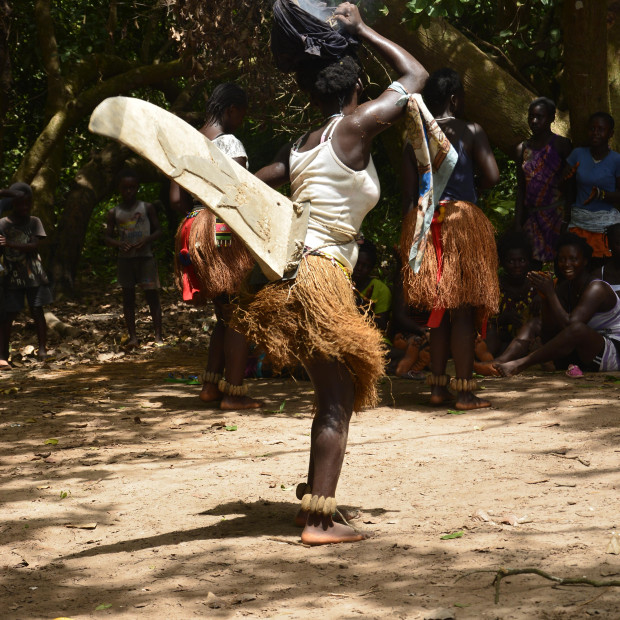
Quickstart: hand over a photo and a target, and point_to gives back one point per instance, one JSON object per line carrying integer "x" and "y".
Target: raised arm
{"x": 375, "y": 116}
{"x": 277, "y": 173}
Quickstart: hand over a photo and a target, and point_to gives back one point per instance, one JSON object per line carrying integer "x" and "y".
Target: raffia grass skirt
{"x": 469, "y": 275}
{"x": 218, "y": 270}
{"x": 315, "y": 316}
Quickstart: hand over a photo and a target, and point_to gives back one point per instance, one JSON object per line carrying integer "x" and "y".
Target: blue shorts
{"x": 37, "y": 297}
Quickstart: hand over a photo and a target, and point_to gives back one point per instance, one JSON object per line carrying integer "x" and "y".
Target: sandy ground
{"x": 152, "y": 506}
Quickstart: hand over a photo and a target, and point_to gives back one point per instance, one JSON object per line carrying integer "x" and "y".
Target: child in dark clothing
{"x": 137, "y": 226}
{"x": 20, "y": 236}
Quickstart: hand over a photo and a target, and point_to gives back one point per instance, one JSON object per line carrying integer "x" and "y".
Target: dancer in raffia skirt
{"x": 457, "y": 278}
{"x": 211, "y": 262}
{"x": 313, "y": 319}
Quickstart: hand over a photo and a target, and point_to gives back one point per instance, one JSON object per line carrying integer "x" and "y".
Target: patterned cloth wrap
{"x": 436, "y": 160}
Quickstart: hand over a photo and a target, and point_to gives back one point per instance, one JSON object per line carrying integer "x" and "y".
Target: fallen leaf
{"x": 103, "y": 606}
{"x": 458, "y": 534}
{"x": 51, "y": 442}
{"x": 231, "y": 428}
{"x": 454, "y": 412}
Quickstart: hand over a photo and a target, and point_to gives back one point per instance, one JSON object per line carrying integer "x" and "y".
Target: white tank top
{"x": 339, "y": 197}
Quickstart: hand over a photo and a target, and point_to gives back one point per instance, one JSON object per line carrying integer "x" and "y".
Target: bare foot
{"x": 132, "y": 343}
{"x": 481, "y": 351}
{"x": 42, "y": 354}
{"x": 466, "y": 401}
{"x": 508, "y": 369}
{"x": 440, "y": 395}
{"x": 324, "y": 531}
{"x": 410, "y": 358}
{"x": 209, "y": 393}
{"x": 240, "y": 402}
{"x": 486, "y": 369}
{"x": 302, "y": 516}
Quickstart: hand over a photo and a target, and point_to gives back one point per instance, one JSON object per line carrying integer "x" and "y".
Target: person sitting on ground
{"x": 20, "y": 236}
{"x": 457, "y": 279}
{"x": 596, "y": 169}
{"x": 373, "y": 294}
{"x": 580, "y": 317}
{"x": 135, "y": 224}
{"x": 519, "y": 300}
{"x": 540, "y": 205}
{"x": 610, "y": 271}
{"x": 211, "y": 261}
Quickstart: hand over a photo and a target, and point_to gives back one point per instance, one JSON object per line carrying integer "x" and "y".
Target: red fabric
{"x": 436, "y": 316}
{"x": 190, "y": 284}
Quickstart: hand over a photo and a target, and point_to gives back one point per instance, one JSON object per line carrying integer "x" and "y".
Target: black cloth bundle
{"x": 298, "y": 36}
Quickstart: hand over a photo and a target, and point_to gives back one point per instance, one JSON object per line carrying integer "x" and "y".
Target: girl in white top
{"x": 313, "y": 320}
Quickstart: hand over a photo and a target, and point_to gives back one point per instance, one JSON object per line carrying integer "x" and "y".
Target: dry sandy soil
{"x": 152, "y": 506}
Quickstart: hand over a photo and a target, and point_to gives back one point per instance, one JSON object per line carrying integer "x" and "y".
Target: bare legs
{"x": 456, "y": 333}
{"x": 129, "y": 312}
{"x": 334, "y": 393}
{"x": 228, "y": 356}
{"x": 575, "y": 337}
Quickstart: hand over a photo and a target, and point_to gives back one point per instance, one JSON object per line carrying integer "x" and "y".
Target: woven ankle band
{"x": 303, "y": 488}
{"x": 232, "y": 390}
{"x": 464, "y": 385}
{"x": 440, "y": 380}
{"x": 319, "y": 505}
{"x": 211, "y": 377}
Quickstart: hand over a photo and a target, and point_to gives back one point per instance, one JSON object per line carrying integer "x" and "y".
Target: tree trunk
{"x": 5, "y": 71}
{"x": 93, "y": 183}
{"x": 494, "y": 98}
{"x": 613, "y": 65}
{"x": 584, "y": 26}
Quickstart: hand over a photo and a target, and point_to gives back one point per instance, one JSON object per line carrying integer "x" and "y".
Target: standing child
{"x": 20, "y": 236}
{"x": 136, "y": 226}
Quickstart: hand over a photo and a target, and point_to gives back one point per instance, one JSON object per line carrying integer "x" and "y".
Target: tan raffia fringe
{"x": 315, "y": 317}
{"x": 211, "y": 377}
{"x": 303, "y": 488}
{"x": 469, "y": 276}
{"x": 464, "y": 385}
{"x": 440, "y": 380}
{"x": 218, "y": 269}
{"x": 319, "y": 505}
{"x": 233, "y": 390}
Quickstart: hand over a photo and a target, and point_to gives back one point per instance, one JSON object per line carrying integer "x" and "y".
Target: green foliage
{"x": 498, "y": 204}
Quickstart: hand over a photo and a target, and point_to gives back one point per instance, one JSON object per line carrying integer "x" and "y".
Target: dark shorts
{"x": 141, "y": 271}
{"x": 37, "y": 297}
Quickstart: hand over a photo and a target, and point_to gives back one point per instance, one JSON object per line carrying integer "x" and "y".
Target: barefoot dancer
{"x": 314, "y": 318}
{"x": 212, "y": 262}
{"x": 465, "y": 292}
{"x": 583, "y": 314}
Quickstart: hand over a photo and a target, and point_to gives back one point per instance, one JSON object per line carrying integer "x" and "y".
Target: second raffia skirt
{"x": 469, "y": 263}
{"x": 314, "y": 317}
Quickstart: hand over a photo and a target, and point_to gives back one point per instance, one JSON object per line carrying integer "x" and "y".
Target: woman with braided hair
{"x": 314, "y": 319}
{"x": 211, "y": 262}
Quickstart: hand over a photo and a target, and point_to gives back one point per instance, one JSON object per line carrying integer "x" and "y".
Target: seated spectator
{"x": 519, "y": 299}
{"x": 540, "y": 204}
{"x": 372, "y": 293}
{"x": 610, "y": 271}
{"x": 596, "y": 169}
{"x": 581, "y": 317}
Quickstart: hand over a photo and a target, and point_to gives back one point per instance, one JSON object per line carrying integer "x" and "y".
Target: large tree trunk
{"x": 5, "y": 71}
{"x": 613, "y": 65}
{"x": 494, "y": 98}
{"x": 584, "y": 26}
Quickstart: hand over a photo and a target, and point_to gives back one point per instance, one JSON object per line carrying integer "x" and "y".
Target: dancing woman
{"x": 314, "y": 319}
{"x": 211, "y": 262}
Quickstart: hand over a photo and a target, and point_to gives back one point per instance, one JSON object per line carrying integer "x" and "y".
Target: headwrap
{"x": 297, "y": 34}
